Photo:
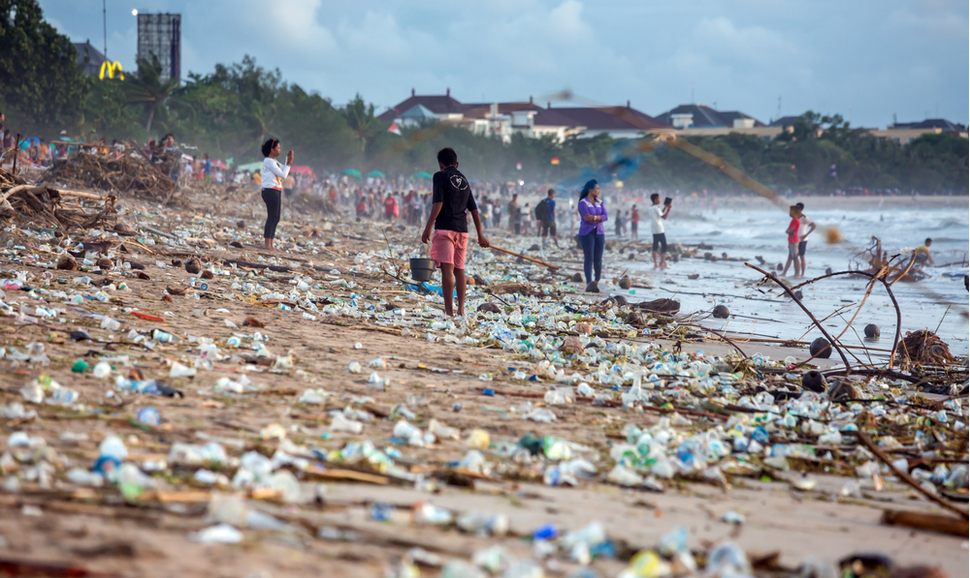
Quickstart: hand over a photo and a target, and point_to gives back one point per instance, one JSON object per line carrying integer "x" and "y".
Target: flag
{"x": 393, "y": 128}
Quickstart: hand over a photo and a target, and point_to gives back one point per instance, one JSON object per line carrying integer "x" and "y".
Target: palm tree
{"x": 148, "y": 88}
{"x": 360, "y": 118}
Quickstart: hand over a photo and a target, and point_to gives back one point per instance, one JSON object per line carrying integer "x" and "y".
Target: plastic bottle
{"x": 480, "y": 523}
{"x": 647, "y": 564}
{"x": 180, "y": 370}
{"x": 428, "y": 513}
{"x": 33, "y": 392}
{"x": 162, "y": 336}
{"x": 284, "y": 482}
{"x": 541, "y": 415}
{"x": 102, "y": 369}
{"x": 478, "y": 439}
{"x": 623, "y": 476}
{"x": 727, "y": 559}
{"x": 82, "y": 477}
{"x": 112, "y": 447}
{"x": 62, "y": 396}
{"x": 474, "y": 461}
{"x": 556, "y": 449}
{"x": 457, "y": 568}
{"x": 342, "y": 424}
{"x": 442, "y": 431}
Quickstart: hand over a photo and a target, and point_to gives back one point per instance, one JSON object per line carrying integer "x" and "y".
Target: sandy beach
{"x": 431, "y": 375}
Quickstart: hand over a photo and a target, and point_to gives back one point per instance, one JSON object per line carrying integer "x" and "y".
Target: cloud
{"x": 877, "y": 56}
{"x": 725, "y": 42}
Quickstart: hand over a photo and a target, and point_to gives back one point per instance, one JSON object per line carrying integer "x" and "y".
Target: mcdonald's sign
{"x": 110, "y": 68}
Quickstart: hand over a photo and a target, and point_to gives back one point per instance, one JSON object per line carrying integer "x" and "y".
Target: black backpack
{"x": 542, "y": 210}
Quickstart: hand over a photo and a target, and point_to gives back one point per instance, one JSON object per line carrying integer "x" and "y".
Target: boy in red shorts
{"x": 451, "y": 198}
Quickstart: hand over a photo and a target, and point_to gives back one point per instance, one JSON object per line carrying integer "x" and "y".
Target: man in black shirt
{"x": 452, "y": 197}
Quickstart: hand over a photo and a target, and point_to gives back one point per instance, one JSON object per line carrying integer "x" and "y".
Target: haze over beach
{"x": 494, "y": 289}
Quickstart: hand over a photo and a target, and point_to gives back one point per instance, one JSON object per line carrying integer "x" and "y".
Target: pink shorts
{"x": 449, "y": 247}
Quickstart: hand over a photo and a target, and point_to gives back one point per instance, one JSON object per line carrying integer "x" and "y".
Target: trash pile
{"x": 315, "y": 397}
{"x": 125, "y": 172}
{"x": 312, "y": 204}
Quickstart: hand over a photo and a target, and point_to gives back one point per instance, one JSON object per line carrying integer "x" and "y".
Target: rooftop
{"x": 88, "y": 57}
{"x": 607, "y": 118}
{"x": 703, "y": 116}
{"x": 931, "y": 123}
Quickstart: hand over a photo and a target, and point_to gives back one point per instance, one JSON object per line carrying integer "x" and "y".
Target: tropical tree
{"x": 146, "y": 87}
{"x": 38, "y": 70}
{"x": 361, "y": 120}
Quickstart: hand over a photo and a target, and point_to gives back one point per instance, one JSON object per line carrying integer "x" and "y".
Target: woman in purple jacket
{"x": 592, "y": 214}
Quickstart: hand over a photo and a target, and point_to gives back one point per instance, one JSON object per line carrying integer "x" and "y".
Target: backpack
{"x": 542, "y": 210}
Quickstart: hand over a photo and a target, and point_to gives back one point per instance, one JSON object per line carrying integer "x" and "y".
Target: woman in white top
{"x": 272, "y": 176}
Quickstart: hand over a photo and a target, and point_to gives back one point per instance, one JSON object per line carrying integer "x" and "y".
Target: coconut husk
{"x": 666, "y": 306}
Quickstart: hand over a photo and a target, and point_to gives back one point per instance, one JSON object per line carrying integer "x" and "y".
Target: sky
{"x": 868, "y": 60}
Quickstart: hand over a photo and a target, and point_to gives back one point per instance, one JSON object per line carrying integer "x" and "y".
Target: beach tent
{"x": 351, "y": 173}
{"x": 375, "y": 173}
{"x": 249, "y": 167}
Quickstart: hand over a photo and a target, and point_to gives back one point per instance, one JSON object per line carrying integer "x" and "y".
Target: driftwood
{"x": 43, "y": 205}
{"x": 924, "y": 521}
{"x": 241, "y": 263}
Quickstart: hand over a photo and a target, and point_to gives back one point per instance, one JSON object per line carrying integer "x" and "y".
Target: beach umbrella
{"x": 375, "y": 173}
{"x": 351, "y": 173}
{"x": 422, "y": 175}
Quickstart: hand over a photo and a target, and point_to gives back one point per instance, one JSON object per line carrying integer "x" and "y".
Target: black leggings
{"x": 273, "y": 205}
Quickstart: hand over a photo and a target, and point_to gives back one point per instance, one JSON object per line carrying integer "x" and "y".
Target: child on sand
{"x": 452, "y": 197}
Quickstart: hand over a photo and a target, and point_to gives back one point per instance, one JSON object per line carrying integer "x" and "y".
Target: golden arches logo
{"x": 110, "y": 67}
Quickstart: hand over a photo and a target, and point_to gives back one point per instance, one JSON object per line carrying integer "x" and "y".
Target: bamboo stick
{"x": 506, "y": 251}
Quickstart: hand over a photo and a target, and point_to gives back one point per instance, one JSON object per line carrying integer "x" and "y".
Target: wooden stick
{"x": 904, "y": 476}
{"x": 506, "y": 251}
{"x": 139, "y": 245}
{"x": 833, "y": 342}
{"x": 160, "y": 233}
{"x": 80, "y": 194}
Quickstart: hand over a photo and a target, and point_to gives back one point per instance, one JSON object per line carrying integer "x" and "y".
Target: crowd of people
{"x": 411, "y": 201}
